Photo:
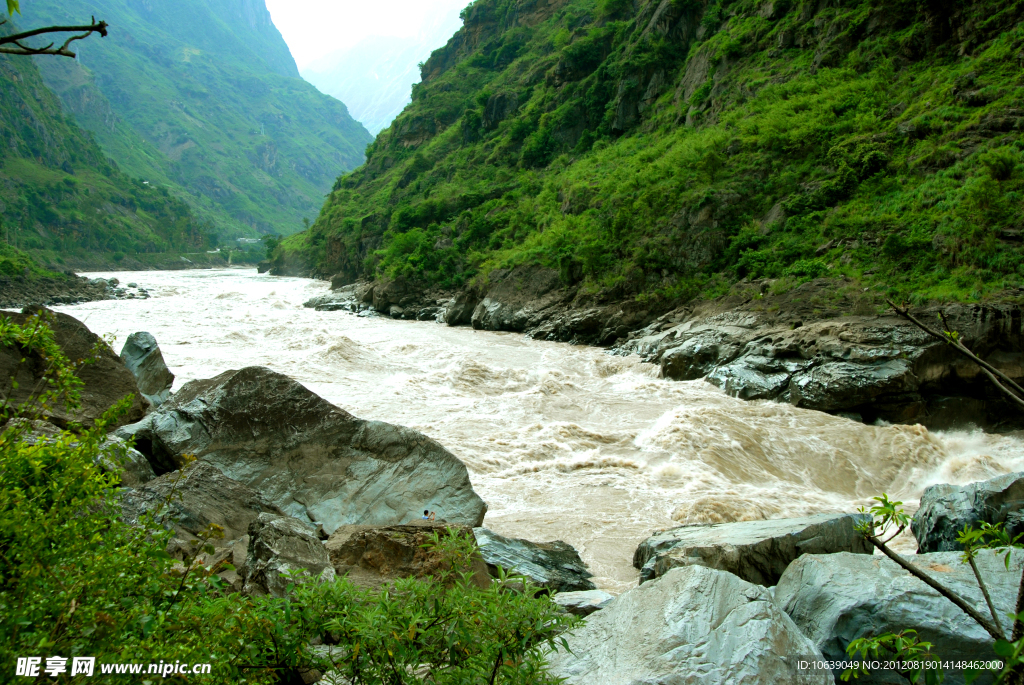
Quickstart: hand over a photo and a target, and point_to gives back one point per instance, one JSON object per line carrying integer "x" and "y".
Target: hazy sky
{"x": 315, "y": 28}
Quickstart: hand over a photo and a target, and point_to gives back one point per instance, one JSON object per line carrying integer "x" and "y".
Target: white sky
{"x": 315, "y": 28}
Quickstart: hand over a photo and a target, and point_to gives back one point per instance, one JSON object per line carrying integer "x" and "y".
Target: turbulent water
{"x": 562, "y": 442}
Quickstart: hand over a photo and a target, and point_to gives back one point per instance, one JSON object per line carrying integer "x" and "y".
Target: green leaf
{"x": 1003, "y": 648}
{"x": 12, "y": 7}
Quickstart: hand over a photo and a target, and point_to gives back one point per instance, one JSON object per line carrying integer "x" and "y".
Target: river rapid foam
{"x": 562, "y": 441}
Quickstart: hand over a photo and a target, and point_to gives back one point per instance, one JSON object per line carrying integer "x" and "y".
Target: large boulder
{"x": 756, "y": 551}
{"x": 693, "y": 625}
{"x": 553, "y": 565}
{"x": 373, "y": 556}
{"x": 583, "y": 602}
{"x": 105, "y": 381}
{"x": 948, "y": 509}
{"x": 310, "y": 458}
{"x": 283, "y": 550}
{"x": 837, "y": 598}
{"x": 129, "y": 464}
{"x": 191, "y": 499}
{"x": 141, "y": 354}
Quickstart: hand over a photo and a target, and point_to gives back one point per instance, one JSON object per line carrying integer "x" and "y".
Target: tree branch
{"x": 20, "y": 49}
{"x": 984, "y": 592}
{"x": 942, "y": 590}
{"x": 1017, "y": 395}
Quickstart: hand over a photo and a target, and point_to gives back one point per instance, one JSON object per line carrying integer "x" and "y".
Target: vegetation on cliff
{"x": 665, "y": 149}
{"x": 204, "y": 100}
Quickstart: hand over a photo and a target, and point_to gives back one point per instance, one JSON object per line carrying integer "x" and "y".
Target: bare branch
{"x": 1017, "y": 395}
{"x": 984, "y": 592}
{"x": 956, "y": 599}
{"x": 21, "y": 49}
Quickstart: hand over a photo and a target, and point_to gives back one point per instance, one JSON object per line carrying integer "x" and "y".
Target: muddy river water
{"x": 562, "y": 441}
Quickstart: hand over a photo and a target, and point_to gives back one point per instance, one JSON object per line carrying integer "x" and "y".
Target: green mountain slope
{"x": 60, "y": 194}
{"x": 203, "y": 98}
{"x": 665, "y": 149}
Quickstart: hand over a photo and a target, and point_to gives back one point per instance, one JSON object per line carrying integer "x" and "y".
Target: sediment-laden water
{"x": 563, "y": 442}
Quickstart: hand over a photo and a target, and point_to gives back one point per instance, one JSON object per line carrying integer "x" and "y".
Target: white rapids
{"x": 562, "y": 441}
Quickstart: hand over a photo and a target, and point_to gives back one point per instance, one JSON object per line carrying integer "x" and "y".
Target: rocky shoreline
{"x": 301, "y": 489}
{"x": 20, "y": 291}
{"x": 818, "y": 345}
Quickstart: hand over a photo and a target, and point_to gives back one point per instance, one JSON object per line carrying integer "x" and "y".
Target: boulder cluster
{"x": 282, "y": 482}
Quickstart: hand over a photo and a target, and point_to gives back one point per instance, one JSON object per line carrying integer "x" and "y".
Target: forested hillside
{"x": 667, "y": 149}
{"x": 60, "y": 194}
{"x": 204, "y": 99}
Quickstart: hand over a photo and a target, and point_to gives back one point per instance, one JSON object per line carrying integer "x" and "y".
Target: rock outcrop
{"x": 874, "y": 366}
{"x": 837, "y": 598}
{"x": 553, "y": 565}
{"x": 583, "y": 602}
{"x": 947, "y": 509}
{"x": 313, "y": 460}
{"x": 141, "y": 354}
{"x": 756, "y": 551}
{"x": 692, "y": 625}
{"x": 280, "y": 546}
{"x": 131, "y": 465}
{"x": 198, "y": 495}
{"x": 106, "y": 380}
{"x": 376, "y": 555}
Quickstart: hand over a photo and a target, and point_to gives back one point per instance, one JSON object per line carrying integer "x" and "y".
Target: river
{"x": 562, "y": 441}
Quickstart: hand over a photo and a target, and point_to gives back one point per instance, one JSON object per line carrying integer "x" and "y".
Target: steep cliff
{"x": 205, "y": 100}
{"x": 658, "y": 150}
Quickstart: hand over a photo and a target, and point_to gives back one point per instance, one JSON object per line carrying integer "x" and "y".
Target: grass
{"x": 656, "y": 166}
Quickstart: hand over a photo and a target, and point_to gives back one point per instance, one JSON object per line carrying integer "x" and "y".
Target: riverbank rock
{"x": 191, "y": 499}
{"x": 693, "y": 625}
{"x": 756, "y": 551}
{"x": 313, "y": 460}
{"x": 837, "y": 598}
{"x": 372, "y": 556}
{"x": 105, "y": 381}
{"x": 584, "y": 602}
{"x": 553, "y": 565}
{"x": 947, "y": 509}
{"x": 768, "y": 347}
{"x": 278, "y": 547}
{"x": 24, "y": 291}
{"x": 141, "y": 354}
{"x": 131, "y": 465}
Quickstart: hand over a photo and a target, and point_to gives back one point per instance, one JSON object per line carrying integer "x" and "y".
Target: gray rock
{"x": 310, "y": 458}
{"x": 191, "y": 499}
{"x": 693, "y": 625}
{"x": 584, "y": 602}
{"x": 948, "y": 509}
{"x": 141, "y": 354}
{"x": 342, "y": 300}
{"x": 837, "y": 598}
{"x": 280, "y": 546}
{"x": 756, "y": 551}
{"x": 396, "y": 312}
{"x": 554, "y": 565}
{"x": 132, "y": 466}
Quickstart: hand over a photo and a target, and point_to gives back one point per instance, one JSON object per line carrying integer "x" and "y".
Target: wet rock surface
{"x": 372, "y": 556}
{"x": 694, "y": 624}
{"x": 106, "y": 380}
{"x": 583, "y": 602}
{"x": 553, "y": 565}
{"x": 310, "y": 458}
{"x": 141, "y": 354}
{"x": 22, "y": 291}
{"x": 837, "y": 598}
{"x": 756, "y": 551}
{"x": 280, "y": 546}
{"x": 947, "y": 509}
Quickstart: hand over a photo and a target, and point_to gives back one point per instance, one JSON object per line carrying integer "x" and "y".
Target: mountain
{"x": 374, "y": 78}
{"x": 658, "y": 150}
{"x": 61, "y": 197}
{"x": 205, "y": 100}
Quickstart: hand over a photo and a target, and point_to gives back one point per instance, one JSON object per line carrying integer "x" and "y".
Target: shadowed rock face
{"x": 193, "y": 498}
{"x": 310, "y": 458}
{"x": 553, "y": 565}
{"x": 694, "y": 625}
{"x": 947, "y": 509}
{"x": 142, "y": 356}
{"x": 106, "y": 380}
{"x": 278, "y": 547}
{"x": 837, "y": 598}
{"x": 756, "y": 551}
